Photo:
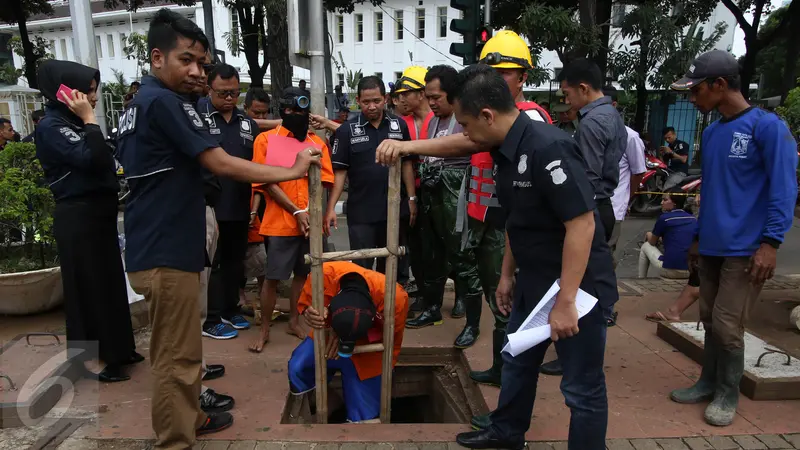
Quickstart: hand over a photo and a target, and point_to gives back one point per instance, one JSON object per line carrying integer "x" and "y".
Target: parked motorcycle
{"x": 653, "y": 181}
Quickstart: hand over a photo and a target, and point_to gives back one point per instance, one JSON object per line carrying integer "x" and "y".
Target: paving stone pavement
{"x": 748, "y": 442}
{"x": 780, "y": 282}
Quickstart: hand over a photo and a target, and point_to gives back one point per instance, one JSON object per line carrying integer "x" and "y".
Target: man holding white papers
{"x": 551, "y": 232}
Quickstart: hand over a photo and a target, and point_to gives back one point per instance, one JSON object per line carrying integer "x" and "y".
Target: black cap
{"x": 713, "y": 64}
{"x": 352, "y": 312}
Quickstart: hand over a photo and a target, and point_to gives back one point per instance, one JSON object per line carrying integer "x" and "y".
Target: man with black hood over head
{"x": 79, "y": 169}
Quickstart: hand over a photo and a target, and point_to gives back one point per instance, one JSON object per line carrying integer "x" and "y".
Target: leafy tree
{"x": 18, "y": 12}
{"x": 777, "y": 62}
{"x": 26, "y": 203}
{"x": 755, "y": 41}
{"x": 790, "y": 111}
{"x": 660, "y": 43}
{"x": 549, "y": 27}
{"x": 135, "y": 47}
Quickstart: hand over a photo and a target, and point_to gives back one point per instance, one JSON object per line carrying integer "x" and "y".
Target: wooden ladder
{"x": 391, "y": 252}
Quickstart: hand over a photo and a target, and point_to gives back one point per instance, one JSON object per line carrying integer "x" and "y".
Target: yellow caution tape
{"x": 667, "y": 193}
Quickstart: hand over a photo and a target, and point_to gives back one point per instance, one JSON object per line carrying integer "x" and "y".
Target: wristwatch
{"x": 412, "y": 198}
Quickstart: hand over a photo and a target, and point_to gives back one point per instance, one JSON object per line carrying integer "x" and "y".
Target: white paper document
{"x": 536, "y": 327}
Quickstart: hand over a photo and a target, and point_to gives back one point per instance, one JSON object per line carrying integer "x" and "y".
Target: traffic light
{"x": 467, "y": 27}
{"x": 483, "y": 34}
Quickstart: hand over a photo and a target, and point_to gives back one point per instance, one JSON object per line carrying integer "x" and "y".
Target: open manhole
{"x": 430, "y": 385}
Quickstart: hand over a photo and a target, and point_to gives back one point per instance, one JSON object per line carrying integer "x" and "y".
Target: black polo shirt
{"x": 679, "y": 148}
{"x": 354, "y": 145}
{"x": 236, "y": 137}
{"x": 160, "y": 136}
{"x": 542, "y": 183}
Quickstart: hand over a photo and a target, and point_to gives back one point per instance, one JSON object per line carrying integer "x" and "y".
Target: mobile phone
{"x": 64, "y": 93}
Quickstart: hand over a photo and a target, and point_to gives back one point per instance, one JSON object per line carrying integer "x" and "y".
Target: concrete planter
{"x": 31, "y": 292}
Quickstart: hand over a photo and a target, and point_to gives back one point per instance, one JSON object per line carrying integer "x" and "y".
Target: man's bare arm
{"x": 339, "y": 178}
{"x": 444, "y": 147}
{"x": 219, "y": 162}
{"x": 575, "y": 255}
{"x": 280, "y": 197}
{"x": 268, "y": 124}
{"x": 509, "y": 264}
{"x": 409, "y": 180}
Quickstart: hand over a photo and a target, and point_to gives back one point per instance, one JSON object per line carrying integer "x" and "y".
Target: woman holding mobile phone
{"x": 79, "y": 168}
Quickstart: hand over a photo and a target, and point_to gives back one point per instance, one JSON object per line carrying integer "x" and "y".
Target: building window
{"x": 379, "y": 26}
{"x": 234, "y": 21}
{"x": 398, "y": 75}
{"x": 340, "y": 79}
{"x": 421, "y": 23}
{"x": 64, "y": 49}
{"x": 398, "y": 25}
{"x": 359, "y": 28}
{"x": 379, "y": 75}
{"x": 442, "y": 21}
{"x": 52, "y": 47}
{"x": 110, "y": 42}
{"x": 123, "y": 41}
{"x": 97, "y": 44}
{"x": 339, "y": 29}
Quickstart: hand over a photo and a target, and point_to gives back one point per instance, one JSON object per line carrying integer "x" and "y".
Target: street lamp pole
{"x": 80, "y": 12}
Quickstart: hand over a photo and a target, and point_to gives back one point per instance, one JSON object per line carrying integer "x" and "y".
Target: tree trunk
{"x": 790, "y": 66}
{"x": 278, "y": 42}
{"x": 248, "y": 22}
{"x": 27, "y": 47}
{"x": 748, "y": 66}
{"x": 587, "y": 13}
{"x": 641, "y": 83}
{"x": 603, "y": 16}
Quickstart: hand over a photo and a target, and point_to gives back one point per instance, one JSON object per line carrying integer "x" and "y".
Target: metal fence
{"x": 114, "y": 108}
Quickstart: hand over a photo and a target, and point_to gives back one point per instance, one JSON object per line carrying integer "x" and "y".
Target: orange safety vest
{"x": 481, "y": 184}
{"x": 418, "y": 134}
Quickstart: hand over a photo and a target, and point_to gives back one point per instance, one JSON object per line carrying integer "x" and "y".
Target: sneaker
{"x": 215, "y": 423}
{"x": 238, "y": 322}
{"x": 219, "y": 331}
{"x": 211, "y": 402}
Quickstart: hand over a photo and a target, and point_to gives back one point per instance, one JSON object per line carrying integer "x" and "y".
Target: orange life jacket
{"x": 418, "y": 134}
{"x": 481, "y": 184}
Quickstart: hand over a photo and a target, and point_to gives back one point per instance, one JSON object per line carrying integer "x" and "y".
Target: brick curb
{"x": 739, "y": 442}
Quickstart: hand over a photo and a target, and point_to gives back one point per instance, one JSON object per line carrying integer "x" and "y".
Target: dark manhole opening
{"x": 429, "y": 386}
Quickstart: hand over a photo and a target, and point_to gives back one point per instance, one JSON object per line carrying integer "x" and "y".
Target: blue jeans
{"x": 583, "y": 383}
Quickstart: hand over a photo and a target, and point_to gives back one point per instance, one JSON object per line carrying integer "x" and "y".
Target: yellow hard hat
{"x": 506, "y": 50}
{"x": 413, "y": 79}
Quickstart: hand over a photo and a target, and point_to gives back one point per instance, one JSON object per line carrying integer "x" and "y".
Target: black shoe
{"x": 215, "y": 423}
{"x": 613, "y": 320}
{"x": 431, "y": 316}
{"x": 211, "y": 402}
{"x": 135, "y": 358}
{"x": 459, "y": 310}
{"x": 481, "y": 422}
{"x": 552, "y": 368}
{"x": 213, "y": 371}
{"x": 467, "y": 337}
{"x": 111, "y": 374}
{"x": 417, "y": 307}
{"x": 487, "y": 439}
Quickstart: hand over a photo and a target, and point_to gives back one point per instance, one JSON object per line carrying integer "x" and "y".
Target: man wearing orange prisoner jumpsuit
{"x": 354, "y": 310}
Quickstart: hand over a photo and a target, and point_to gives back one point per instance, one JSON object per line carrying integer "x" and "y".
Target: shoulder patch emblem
{"x": 335, "y": 146}
{"x": 357, "y": 129}
{"x": 246, "y": 126}
{"x": 194, "y": 118}
{"x": 70, "y": 134}
{"x": 394, "y": 125}
{"x": 557, "y": 174}
{"x": 522, "y": 166}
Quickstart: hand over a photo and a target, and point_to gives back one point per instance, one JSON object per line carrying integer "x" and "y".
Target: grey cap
{"x": 713, "y": 64}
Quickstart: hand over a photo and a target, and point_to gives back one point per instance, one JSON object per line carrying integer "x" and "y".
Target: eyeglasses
{"x": 495, "y": 58}
{"x": 226, "y": 94}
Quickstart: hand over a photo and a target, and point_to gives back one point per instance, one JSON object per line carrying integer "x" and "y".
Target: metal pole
{"x": 208, "y": 22}
{"x": 329, "y": 95}
{"x": 487, "y": 12}
{"x": 316, "y": 52}
{"x": 80, "y": 12}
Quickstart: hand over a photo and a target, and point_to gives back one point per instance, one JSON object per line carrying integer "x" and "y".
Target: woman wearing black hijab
{"x": 79, "y": 168}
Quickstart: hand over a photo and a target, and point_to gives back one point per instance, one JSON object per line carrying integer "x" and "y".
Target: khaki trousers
{"x": 176, "y": 353}
{"x": 212, "y": 235}
{"x": 726, "y": 296}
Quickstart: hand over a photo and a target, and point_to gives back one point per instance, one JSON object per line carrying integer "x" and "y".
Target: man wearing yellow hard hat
{"x": 509, "y": 54}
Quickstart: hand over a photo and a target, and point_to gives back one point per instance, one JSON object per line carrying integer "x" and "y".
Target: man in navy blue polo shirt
{"x": 163, "y": 145}
{"x": 749, "y": 193}
{"x": 236, "y": 133}
{"x": 676, "y": 228}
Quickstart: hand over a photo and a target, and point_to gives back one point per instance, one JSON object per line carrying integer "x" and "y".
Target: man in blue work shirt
{"x": 163, "y": 145}
{"x": 236, "y": 133}
{"x": 749, "y": 193}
